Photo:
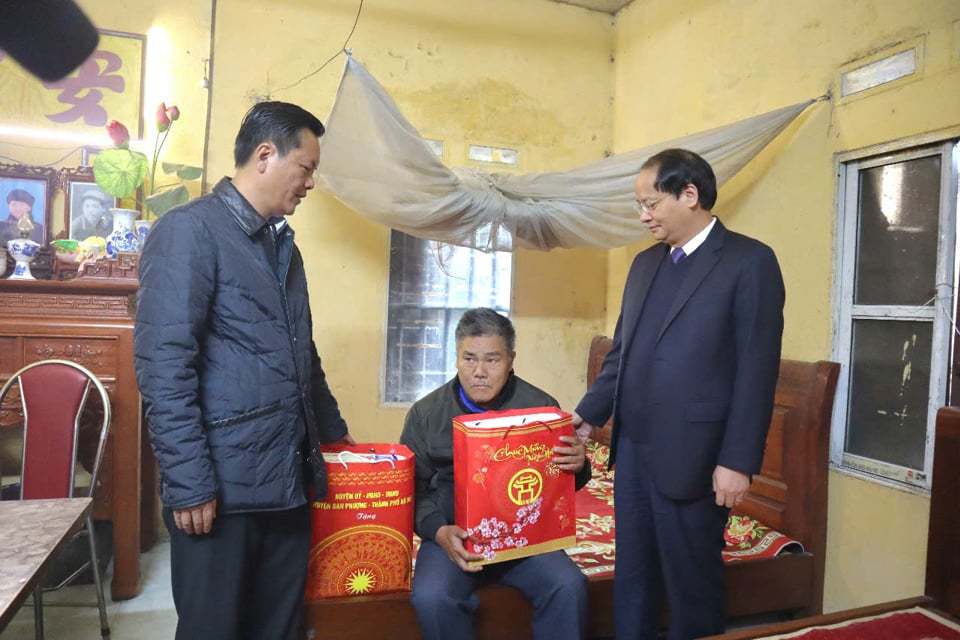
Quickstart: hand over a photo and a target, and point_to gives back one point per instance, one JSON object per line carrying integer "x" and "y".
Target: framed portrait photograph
{"x": 86, "y": 206}
{"x": 26, "y": 191}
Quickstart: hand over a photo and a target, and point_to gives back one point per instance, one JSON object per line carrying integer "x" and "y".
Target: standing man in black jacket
{"x": 236, "y": 400}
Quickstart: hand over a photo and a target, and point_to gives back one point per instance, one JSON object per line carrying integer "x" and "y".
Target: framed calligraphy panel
{"x": 26, "y": 191}
{"x": 106, "y": 86}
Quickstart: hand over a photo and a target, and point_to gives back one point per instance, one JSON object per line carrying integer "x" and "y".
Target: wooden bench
{"x": 789, "y": 494}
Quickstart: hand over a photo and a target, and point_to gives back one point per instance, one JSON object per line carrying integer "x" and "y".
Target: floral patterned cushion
{"x": 745, "y": 537}
{"x": 596, "y": 528}
{"x": 599, "y": 455}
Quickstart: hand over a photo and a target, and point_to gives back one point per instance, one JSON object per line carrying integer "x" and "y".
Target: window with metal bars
{"x": 431, "y": 286}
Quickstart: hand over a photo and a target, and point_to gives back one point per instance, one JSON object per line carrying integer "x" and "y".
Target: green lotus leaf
{"x": 120, "y": 172}
{"x": 160, "y": 203}
{"x": 183, "y": 171}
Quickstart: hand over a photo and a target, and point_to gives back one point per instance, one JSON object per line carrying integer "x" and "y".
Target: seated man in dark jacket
{"x": 444, "y": 582}
{"x": 236, "y": 400}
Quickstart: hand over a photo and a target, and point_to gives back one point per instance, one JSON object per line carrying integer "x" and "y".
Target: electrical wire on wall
{"x": 343, "y": 49}
{"x": 205, "y": 84}
{"x": 55, "y": 163}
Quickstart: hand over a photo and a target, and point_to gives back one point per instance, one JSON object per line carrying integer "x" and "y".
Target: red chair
{"x": 53, "y": 396}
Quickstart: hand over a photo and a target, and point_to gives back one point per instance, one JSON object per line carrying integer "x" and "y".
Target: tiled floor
{"x": 149, "y": 616}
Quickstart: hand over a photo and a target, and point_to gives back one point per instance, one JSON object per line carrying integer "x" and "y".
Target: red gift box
{"x": 511, "y": 498}
{"x": 363, "y": 532}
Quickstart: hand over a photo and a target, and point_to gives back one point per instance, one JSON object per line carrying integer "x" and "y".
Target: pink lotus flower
{"x": 163, "y": 121}
{"x": 121, "y": 171}
{"x": 119, "y": 134}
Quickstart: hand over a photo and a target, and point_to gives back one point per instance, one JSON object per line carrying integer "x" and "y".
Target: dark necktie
{"x": 677, "y": 255}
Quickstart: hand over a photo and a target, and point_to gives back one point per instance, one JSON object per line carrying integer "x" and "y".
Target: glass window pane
{"x": 897, "y": 248}
{"x": 885, "y": 70}
{"x": 889, "y": 386}
{"x": 431, "y": 285}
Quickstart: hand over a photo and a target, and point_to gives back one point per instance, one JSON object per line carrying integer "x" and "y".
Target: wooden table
{"x": 30, "y": 532}
{"x": 90, "y": 321}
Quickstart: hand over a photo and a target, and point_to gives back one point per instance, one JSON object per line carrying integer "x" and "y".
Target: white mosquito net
{"x": 374, "y": 161}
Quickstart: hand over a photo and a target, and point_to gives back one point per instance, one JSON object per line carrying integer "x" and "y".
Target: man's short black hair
{"x": 276, "y": 122}
{"x": 676, "y": 168}
{"x": 486, "y": 322}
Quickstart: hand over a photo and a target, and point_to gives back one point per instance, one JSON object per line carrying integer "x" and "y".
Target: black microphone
{"x": 49, "y": 38}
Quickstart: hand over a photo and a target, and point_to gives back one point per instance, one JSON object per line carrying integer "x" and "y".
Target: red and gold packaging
{"x": 363, "y": 531}
{"x": 510, "y": 497}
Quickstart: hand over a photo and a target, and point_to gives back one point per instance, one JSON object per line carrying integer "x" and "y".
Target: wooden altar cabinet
{"x": 90, "y": 321}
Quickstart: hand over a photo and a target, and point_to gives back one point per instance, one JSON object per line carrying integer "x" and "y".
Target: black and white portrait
{"x": 89, "y": 211}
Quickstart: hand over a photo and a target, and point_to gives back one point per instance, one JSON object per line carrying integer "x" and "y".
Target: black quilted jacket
{"x": 234, "y": 393}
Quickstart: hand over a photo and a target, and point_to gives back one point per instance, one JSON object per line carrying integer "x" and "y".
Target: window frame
{"x": 430, "y": 247}
{"x": 845, "y": 312}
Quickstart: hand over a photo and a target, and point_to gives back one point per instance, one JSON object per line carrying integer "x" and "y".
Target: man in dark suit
{"x": 689, "y": 381}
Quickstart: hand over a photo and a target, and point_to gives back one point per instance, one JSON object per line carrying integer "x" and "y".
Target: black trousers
{"x": 664, "y": 547}
{"x": 245, "y": 579}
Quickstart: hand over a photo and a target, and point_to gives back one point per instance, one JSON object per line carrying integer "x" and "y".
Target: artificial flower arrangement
{"x": 80, "y": 251}
{"x": 120, "y": 171}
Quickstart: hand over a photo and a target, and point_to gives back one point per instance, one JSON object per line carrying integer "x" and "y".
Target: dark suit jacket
{"x": 714, "y": 368}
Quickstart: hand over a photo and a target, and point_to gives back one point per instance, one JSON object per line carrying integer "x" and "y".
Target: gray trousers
{"x": 445, "y": 598}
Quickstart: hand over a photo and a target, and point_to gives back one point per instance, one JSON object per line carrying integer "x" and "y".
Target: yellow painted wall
{"x": 179, "y": 37}
{"x": 537, "y": 76}
{"x": 526, "y": 74}
{"x": 688, "y": 65}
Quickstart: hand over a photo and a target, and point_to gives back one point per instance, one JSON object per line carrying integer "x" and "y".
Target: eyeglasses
{"x": 648, "y": 207}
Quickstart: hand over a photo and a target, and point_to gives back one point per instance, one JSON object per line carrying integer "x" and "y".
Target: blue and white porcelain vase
{"x": 123, "y": 237}
{"x": 22, "y": 250}
{"x": 142, "y": 228}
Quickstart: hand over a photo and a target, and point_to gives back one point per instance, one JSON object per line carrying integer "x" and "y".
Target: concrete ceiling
{"x": 606, "y": 6}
